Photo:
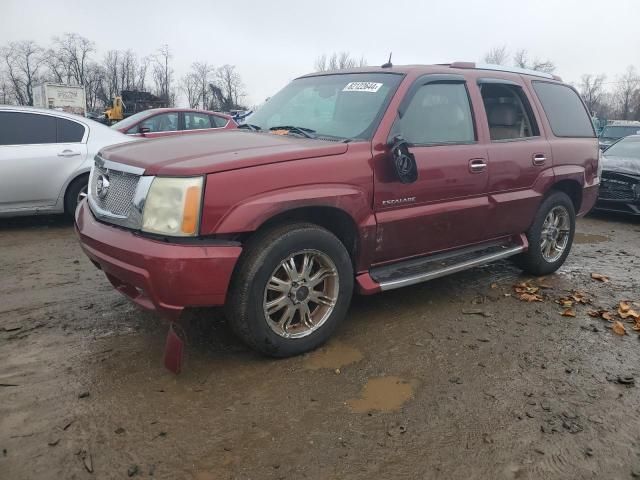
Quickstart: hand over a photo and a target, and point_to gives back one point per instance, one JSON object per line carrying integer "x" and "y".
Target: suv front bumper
{"x": 159, "y": 276}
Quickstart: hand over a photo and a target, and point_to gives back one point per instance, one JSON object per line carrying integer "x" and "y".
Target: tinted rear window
{"x": 26, "y": 128}
{"x": 69, "y": 132}
{"x": 566, "y": 114}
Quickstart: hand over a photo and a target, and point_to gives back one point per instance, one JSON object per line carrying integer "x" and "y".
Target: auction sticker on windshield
{"x": 371, "y": 87}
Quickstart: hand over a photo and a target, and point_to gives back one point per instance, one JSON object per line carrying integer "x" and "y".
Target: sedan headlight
{"x": 172, "y": 206}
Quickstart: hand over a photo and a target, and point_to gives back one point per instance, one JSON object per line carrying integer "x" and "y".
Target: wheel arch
{"x": 572, "y": 189}
{"x": 65, "y": 191}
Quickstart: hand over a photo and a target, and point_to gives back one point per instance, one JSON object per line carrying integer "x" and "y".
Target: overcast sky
{"x": 272, "y": 42}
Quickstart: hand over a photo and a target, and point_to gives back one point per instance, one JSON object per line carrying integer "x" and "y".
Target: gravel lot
{"x": 452, "y": 379}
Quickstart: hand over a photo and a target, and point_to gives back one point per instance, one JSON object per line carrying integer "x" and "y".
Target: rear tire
{"x": 550, "y": 236}
{"x": 76, "y": 191}
{"x": 271, "y": 282}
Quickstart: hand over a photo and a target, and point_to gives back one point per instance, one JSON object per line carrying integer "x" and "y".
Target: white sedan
{"x": 45, "y": 159}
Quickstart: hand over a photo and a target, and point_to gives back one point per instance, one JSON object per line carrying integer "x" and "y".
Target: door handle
{"x": 477, "y": 165}
{"x": 68, "y": 153}
{"x": 539, "y": 159}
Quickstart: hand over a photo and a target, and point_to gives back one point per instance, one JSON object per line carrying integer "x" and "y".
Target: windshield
{"x": 619, "y": 131}
{"x": 130, "y": 121}
{"x": 627, "y": 147}
{"x": 340, "y": 105}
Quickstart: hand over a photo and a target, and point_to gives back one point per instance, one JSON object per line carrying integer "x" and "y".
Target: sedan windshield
{"x": 619, "y": 131}
{"x": 343, "y": 106}
{"x": 628, "y": 147}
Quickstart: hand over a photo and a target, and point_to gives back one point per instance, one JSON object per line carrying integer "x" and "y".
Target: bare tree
{"x": 592, "y": 89}
{"x": 626, "y": 93}
{"x": 338, "y": 61}
{"x": 141, "y": 75}
{"x": 163, "y": 74}
{"x": 521, "y": 60}
{"x": 497, "y": 56}
{"x": 73, "y": 51}
{"x": 230, "y": 83}
{"x": 23, "y": 62}
{"x": 95, "y": 77}
{"x": 190, "y": 85}
{"x": 203, "y": 72}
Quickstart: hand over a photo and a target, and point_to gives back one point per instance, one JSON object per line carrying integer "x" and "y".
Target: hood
{"x": 627, "y": 165}
{"x": 217, "y": 152}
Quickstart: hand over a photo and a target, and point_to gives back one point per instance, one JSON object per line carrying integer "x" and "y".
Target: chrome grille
{"x": 122, "y": 188}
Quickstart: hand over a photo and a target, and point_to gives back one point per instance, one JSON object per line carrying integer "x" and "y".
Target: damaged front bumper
{"x": 619, "y": 192}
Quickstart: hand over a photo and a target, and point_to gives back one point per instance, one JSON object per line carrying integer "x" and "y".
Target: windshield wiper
{"x": 305, "y": 132}
{"x": 250, "y": 126}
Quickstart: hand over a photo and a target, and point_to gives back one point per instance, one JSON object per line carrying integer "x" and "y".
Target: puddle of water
{"x": 334, "y": 355}
{"x": 385, "y": 394}
{"x": 588, "y": 238}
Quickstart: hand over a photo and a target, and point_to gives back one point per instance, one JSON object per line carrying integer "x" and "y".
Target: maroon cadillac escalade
{"x": 371, "y": 178}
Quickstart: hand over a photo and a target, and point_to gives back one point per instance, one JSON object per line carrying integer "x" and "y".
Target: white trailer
{"x": 67, "y": 98}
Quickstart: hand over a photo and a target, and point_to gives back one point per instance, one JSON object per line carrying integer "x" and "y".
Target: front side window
{"x": 438, "y": 113}
{"x": 164, "y": 122}
{"x": 196, "y": 121}
{"x": 343, "y": 106}
{"x": 565, "y": 111}
{"x": 26, "y": 128}
{"x": 508, "y": 112}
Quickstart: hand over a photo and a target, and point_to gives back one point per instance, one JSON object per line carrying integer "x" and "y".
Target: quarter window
{"x": 26, "y": 128}
{"x": 565, "y": 111}
{"x": 219, "y": 122}
{"x": 68, "y": 131}
{"x": 196, "y": 121}
{"x": 508, "y": 112}
{"x": 438, "y": 113}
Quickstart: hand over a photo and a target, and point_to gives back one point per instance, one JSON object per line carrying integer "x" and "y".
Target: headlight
{"x": 172, "y": 206}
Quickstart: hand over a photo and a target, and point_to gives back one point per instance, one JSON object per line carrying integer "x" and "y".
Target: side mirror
{"x": 143, "y": 130}
{"x": 404, "y": 162}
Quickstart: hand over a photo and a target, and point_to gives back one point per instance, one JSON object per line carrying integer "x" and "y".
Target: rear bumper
{"x": 158, "y": 276}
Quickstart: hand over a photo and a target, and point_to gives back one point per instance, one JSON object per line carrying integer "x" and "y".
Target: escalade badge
{"x": 102, "y": 186}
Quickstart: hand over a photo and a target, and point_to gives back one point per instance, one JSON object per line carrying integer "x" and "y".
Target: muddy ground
{"x": 455, "y": 378}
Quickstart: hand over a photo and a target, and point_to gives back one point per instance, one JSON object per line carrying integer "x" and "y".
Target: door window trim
{"x": 437, "y": 78}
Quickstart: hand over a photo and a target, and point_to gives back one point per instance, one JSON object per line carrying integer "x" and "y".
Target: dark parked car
{"x": 367, "y": 179}
{"x": 615, "y": 131}
{"x": 620, "y": 184}
{"x": 162, "y": 122}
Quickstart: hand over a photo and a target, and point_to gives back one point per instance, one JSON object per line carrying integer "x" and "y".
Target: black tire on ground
{"x": 261, "y": 256}
{"x": 71, "y": 195}
{"x": 532, "y": 261}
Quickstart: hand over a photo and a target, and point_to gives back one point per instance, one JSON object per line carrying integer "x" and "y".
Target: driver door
{"x": 447, "y": 206}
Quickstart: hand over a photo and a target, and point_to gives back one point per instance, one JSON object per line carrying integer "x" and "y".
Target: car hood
{"x": 217, "y": 152}
{"x": 627, "y": 165}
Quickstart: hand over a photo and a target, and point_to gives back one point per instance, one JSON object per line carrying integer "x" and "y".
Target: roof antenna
{"x": 388, "y": 64}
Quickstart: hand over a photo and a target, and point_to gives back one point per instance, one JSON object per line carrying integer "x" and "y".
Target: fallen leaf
{"x": 618, "y": 328}
{"x": 594, "y": 313}
{"x": 529, "y": 297}
{"x": 494, "y": 285}
{"x": 607, "y": 316}
{"x": 600, "y": 277}
{"x": 565, "y": 303}
{"x": 569, "y": 312}
{"x": 625, "y": 311}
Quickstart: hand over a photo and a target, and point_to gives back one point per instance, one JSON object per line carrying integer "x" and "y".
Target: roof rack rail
{"x": 502, "y": 68}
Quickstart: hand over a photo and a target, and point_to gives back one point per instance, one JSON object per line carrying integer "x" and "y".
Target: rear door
{"x": 447, "y": 206}
{"x": 520, "y": 157}
{"x": 38, "y": 153}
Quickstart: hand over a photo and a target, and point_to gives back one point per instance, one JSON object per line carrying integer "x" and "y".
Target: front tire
{"x": 292, "y": 288}
{"x": 550, "y": 236}
{"x": 76, "y": 192}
